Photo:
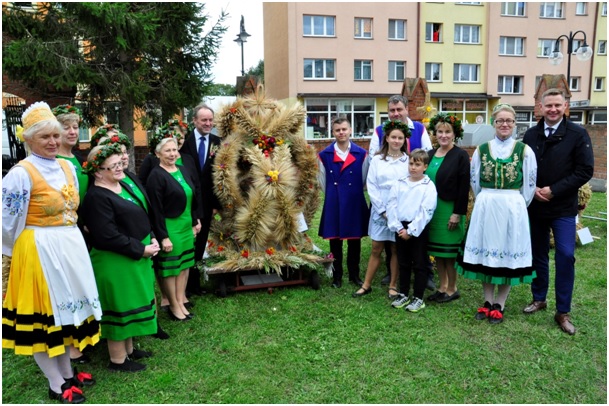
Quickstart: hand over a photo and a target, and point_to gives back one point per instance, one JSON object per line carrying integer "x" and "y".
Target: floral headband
{"x": 67, "y": 109}
{"x": 177, "y": 123}
{"x": 396, "y": 124}
{"x": 105, "y": 151}
{"x": 103, "y": 132}
{"x": 448, "y": 119}
{"x": 119, "y": 138}
{"x": 162, "y": 132}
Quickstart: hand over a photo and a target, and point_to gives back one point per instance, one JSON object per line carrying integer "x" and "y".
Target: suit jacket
{"x": 209, "y": 199}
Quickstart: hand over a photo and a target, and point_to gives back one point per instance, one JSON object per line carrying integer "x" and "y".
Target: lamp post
{"x": 241, "y": 38}
{"x": 583, "y": 53}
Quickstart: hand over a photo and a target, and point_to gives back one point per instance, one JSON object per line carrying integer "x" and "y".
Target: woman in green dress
{"x": 123, "y": 243}
{"x": 449, "y": 170}
{"x": 176, "y": 221}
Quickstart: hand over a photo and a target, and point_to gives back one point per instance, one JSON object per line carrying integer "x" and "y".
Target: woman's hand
{"x": 167, "y": 245}
{"x": 197, "y": 228}
{"x": 453, "y": 221}
{"x": 151, "y": 250}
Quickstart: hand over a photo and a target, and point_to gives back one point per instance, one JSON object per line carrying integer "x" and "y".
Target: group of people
{"x": 58, "y": 207}
{"x": 419, "y": 201}
{"x": 135, "y": 228}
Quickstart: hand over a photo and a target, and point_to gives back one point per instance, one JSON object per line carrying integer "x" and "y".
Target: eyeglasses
{"x": 507, "y": 121}
{"x": 118, "y": 165}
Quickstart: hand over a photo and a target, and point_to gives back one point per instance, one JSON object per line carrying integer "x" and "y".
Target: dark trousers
{"x": 354, "y": 248}
{"x": 412, "y": 257}
{"x": 193, "y": 285}
{"x": 563, "y": 229}
{"x": 388, "y": 261}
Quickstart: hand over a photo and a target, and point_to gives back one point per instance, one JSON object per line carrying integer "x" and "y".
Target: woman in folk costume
{"x": 498, "y": 244}
{"x": 51, "y": 298}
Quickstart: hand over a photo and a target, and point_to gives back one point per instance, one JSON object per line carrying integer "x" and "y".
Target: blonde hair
{"x": 419, "y": 155}
{"x": 162, "y": 143}
{"x": 503, "y": 107}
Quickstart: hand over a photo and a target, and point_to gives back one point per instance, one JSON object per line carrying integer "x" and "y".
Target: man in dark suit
{"x": 201, "y": 145}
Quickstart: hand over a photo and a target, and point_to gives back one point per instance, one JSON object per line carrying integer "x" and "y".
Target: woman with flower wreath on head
{"x": 449, "y": 170}
{"x": 51, "y": 298}
{"x": 497, "y": 249}
{"x": 106, "y": 130}
{"x": 123, "y": 243}
{"x": 387, "y": 165}
{"x": 175, "y": 199}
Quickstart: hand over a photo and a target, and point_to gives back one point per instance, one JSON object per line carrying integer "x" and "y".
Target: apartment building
{"x": 347, "y": 58}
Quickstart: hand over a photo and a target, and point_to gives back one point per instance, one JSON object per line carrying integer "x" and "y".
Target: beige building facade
{"x": 348, "y": 58}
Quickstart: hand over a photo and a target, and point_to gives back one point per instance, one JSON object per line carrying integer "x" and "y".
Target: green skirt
{"x": 444, "y": 243}
{"x": 126, "y": 294}
{"x": 183, "y": 254}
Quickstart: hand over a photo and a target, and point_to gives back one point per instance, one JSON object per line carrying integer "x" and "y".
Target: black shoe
{"x": 127, "y": 366}
{"x": 190, "y": 316}
{"x": 483, "y": 311}
{"x": 448, "y": 298}
{"x": 83, "y": 359}
{"x": 386, "y": 280}
{"x": 357, "y": 281}
{"x": 160, "y": 333}
{"x": 337, "y": 284}
{"x": 363, "y": 292}
{"x": 69, "y": 393}
{"x": 434, "y": 296}
{"x": 495, "y": 316}
{"x": 176, "y": 318}
{"x": 189, "y": 305}
{"x": 139, "y": 354}
{"x": 165, "y": 308}
{"x": 81, "y": 379}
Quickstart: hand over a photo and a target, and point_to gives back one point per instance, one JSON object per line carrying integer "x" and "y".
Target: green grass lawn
{"x": 298, "y": 345}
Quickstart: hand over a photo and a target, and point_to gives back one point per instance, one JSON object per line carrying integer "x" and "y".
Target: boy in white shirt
{"x": 411, "y": 205}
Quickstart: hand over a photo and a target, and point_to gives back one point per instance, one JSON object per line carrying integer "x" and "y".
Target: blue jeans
{"x": 564, "y": 259}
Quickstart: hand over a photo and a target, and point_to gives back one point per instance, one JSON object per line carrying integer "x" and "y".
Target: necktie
{"x": 550, "y": 131}
{"x": 202, "y": 151}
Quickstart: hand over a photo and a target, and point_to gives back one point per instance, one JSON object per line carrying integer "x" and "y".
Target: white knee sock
{"x": 50, "y": 368}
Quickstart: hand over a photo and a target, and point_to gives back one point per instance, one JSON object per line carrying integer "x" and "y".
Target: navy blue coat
{"x": 565, "y": 162}
{"x": 345, "y": 213}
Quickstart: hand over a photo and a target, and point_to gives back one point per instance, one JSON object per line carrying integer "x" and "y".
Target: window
{"x": 510, "y": 84}
{"x": 513, "y": 8}
{"x": 433, "y": 72}
{"x": 599, "y": 84}
{"x": 511, "y": 46}
{"x": 574, "y": 85}
{"x": 321, "y": 112}
{"x": 576, "y": 44}
{"x": 466, "y": 72}
{"x": 433, "y": 32}
{"x": 363, "y": 70}
{"x": 602, "y": 47}
{"x": 581, "y": 8}
{"x": 397, "y": 70}
{"x": 469, "y": 3}
{"x": 604, "y": 9}
{"x": 468, "y": 110}
{"x": 546, "y": 46}
{"x": 318, "y": 26}
{"x": 467, "y": 34}
{"x": 599, "y": 117}
{"x": 363, "y": 28}
{"x": 319, "y": 69}
{"x": 397, "y": 29}
{"x": 551, "y": 10}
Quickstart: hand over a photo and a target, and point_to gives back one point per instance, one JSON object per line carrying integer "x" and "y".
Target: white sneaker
{"x": 416, "y": 305}
{"x": 401, "y": 301}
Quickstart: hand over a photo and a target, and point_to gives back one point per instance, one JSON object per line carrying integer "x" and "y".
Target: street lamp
{"x": 241, "y": 38}
{"x": 582, "y": 53}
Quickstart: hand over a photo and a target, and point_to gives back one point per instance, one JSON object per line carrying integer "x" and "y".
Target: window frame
{"x": 544, "y": 6}
{"x": 395, "y": 30}
{"x": 516, "y": 85}
{"x": 360, "y": 23}
{"x": 464, "y": 27}
{"x": 503, "y": 46}
{"x": 601, "y": 49}
{"x": 362, "y": 69}
{"x": 540, "y": 46}
{"x": 599, "y": 80}
{"x": 429, "y": 30}
{"x": 604, "y": 9}
{"x": 577, "y": 80}
{"x": 583, "y": 4}
{"x": 431, "y": 66}
{"x": 313, "y": 69}
{"x": 395, "y": 68}
{"x": 469, "y": 66}
{"x": 312, "y": 26}
{"x": 517, "y": 6}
